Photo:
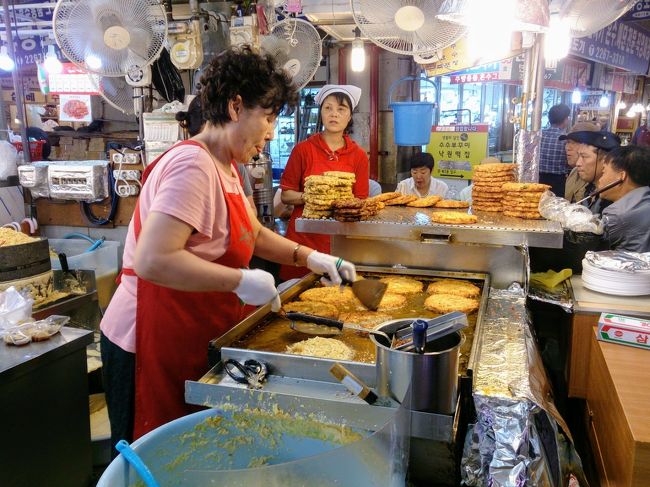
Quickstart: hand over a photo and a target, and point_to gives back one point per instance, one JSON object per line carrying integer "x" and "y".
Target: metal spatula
{"x": 368, "y": 291}
{"x": 325, "y": 327}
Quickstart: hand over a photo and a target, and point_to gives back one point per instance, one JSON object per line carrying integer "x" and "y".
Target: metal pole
{"x": 18, "y": 84}
{"x": 539, "y": 86}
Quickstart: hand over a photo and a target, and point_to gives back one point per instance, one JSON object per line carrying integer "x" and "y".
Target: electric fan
{"x": 586, "y": 17}
{"x": 110, "y": 37}
{"x": 116, "y": 92}
{"x": 405, "y": 26}
{"x": 296, "y": 46}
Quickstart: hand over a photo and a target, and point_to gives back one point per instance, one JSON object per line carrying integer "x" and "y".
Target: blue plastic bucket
{"x": 412, "y": 119}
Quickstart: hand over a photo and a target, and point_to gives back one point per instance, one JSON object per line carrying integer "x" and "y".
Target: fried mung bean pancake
{"x": 452, "y": 204}
{"x": 332, "y": 295}
{"x": 401, "y": 200}
{"x": 385, "y": 196}
{"x": 516, "y": 187}
{"x": 446, "y": 303}
{"x": 402, "y": 285}
{"x": 454, "y": 287}
{"x": 425, "y": 202}
{"x": 316, "y": 308}
{"x": 453, "y": 218}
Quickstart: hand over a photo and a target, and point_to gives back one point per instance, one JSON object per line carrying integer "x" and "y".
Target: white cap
{"x": 353, "y": 92}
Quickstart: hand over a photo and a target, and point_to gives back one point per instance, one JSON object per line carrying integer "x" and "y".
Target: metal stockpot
{"x": 261, "y": 172}
{"x": 422, "y": 382}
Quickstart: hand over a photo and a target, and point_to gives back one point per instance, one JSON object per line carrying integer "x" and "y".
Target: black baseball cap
{"x": 601, "y": 139}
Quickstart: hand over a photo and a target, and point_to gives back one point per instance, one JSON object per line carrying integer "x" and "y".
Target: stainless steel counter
{"x": 406, "y": 223}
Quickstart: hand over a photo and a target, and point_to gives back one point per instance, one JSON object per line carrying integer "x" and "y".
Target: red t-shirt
{"x": 314, "y": 157}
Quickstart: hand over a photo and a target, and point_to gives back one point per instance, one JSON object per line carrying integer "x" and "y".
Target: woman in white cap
{"x": 329, "y": 150}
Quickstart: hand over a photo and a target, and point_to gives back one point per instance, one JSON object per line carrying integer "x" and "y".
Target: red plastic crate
{"x": 35, "y": 149}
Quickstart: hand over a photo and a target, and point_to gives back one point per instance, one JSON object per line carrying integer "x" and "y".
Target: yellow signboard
{"x": 457, "y": 149}
{"x": 457, "y": 57}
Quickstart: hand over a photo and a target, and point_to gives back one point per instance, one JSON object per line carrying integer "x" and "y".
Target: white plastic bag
{"x": 8, "y": 160}
{"x": 14, "y": 307}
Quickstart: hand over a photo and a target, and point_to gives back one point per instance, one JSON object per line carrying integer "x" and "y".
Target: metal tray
{"x": 406, "y": 223}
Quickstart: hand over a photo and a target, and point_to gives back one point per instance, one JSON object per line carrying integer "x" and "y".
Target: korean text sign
{"x": 457, "y": 149}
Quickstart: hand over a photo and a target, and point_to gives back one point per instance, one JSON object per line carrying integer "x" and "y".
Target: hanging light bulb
{"x": 576, "y": 96}
{"x": 6, "y": 63}
{"x": 621, "y": 105}
{"x": 93, "y": 62}
{"x": 558, "y": 39}
{"x": 358, "y": 54}
{"x": 604, "y": 101}
{"x": 630, "y": 113}
{"x": 52, "y": 63}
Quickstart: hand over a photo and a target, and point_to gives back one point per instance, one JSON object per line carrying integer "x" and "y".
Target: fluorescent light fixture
{"x": 604, "y": 101}
{"x": 358, "y": 54}
{"x": 52, "y": 63}
{"x": 6, "y": 63}
{"x": 514, "y": 15}
{"x": 576, "y": 96}
{"x": 93, "y": 62}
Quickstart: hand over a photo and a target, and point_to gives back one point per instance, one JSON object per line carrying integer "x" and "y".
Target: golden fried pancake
{"x": 317, "y": 308}
{"x": 493, "y": 209}
{"x": 494, "y": 168}
{"x": 322, "y": 347}
{"x": 526, "y": 215}
{"x": 391, "y": 301}
{"x": 446, "y": 303}
{"x": 333, "y": 295}
{"x": 506, "y": 176}
{"x": 316, "y": 215}
{"x": 385, "y": 196}
{"x": 366, "y": 319}
{"x": 452, "y": 204}
{"x": 402, "y": 285}
{"x": 348, "y": 203}
{"x": 425, "y": 202}
{"x": 341, "y": 175}
{"x": 401, "y": 200}
{"x": 453, "y": 218}
{"x": 454, "y": 287}
{"x": 516, "y": 187}
{"x": 487, "y": 189}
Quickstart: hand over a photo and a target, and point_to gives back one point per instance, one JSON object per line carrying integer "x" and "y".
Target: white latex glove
{"x": 258, "y": 287}
{"x": 327, "y": 264}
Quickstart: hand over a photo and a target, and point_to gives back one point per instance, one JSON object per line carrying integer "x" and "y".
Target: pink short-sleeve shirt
{"x": 184, "y": 184}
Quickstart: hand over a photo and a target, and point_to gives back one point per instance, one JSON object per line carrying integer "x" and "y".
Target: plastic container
{"x": 35, "y": 149}
{"x": 105, "y": 261}
{"x": 412, "y": 119}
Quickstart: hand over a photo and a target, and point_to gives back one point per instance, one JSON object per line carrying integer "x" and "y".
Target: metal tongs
{"x": 437, "y": 328}
{"x": 601, "y": 190}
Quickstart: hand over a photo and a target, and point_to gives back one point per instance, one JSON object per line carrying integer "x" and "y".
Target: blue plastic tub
{"x": 214, "y": 447}
{"x": 412, "y": 119}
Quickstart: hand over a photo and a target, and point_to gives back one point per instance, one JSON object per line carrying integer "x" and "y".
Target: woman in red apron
{"x": 185, "y": 278}
{"x": 330, "y": 150}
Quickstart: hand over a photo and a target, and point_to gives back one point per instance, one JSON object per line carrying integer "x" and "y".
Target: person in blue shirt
{"x": 553, "y": 166}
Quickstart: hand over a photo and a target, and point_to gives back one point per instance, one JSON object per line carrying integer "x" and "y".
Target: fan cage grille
{"x": 79, "y": 27}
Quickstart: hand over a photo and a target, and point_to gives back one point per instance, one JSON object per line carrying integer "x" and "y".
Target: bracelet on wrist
{"x": 295, "y": 254}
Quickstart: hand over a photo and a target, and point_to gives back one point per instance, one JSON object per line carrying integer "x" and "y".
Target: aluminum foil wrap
{"x": 620, "y": 260}
{"x": 527, "y": 155}
{"x": 518, "y": 437}
{"x": 34, "y": 177}
{"x": 577, "y": 218}
{"x": 560, "y": 295}
{"x": 79, "y": 180}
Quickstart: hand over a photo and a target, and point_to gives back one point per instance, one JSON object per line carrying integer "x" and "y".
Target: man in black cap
{"x": 591, "y": 152}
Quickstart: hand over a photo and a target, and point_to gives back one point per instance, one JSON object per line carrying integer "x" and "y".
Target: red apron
{"x": 173, "y": 327}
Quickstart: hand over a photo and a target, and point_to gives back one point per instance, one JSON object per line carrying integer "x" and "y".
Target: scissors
{"x": 251, "y": 372}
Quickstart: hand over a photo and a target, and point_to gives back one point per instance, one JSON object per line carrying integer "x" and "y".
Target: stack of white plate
{"x": 615, "y": 282}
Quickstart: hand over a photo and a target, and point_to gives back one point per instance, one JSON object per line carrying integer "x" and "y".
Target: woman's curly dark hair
{"x": 254, "y": 77}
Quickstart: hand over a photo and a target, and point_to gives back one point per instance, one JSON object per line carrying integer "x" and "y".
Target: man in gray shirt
{"x": 627, "y": 219}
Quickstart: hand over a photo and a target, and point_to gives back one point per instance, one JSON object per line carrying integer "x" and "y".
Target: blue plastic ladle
{"x": 136, "y": 462}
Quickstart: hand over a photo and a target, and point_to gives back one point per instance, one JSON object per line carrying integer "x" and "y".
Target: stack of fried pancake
{"x": 321, "y": 191}
{"x": 447, "y": 295}
{"x": 521, "y": 200}
{"x": 487, "y": 191}
{"x": 354, "y": 209}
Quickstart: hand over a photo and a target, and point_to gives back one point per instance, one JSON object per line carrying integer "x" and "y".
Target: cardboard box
{"x": 625, "y": 330}
{"x": 96, "y": 144}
